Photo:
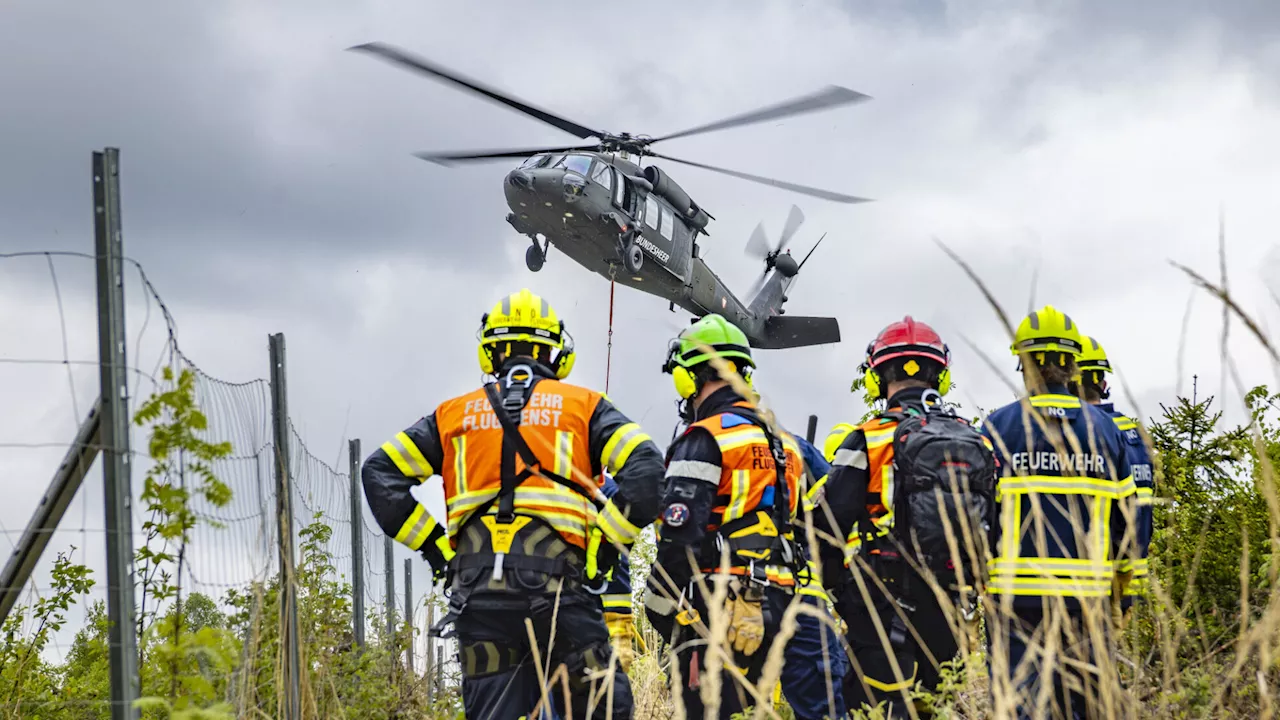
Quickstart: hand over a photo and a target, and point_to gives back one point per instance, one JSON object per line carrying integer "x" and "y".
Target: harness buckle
{"x": 501, "y": 535}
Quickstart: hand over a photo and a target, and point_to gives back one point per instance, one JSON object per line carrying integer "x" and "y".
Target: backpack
{"x": 936, "y": 450}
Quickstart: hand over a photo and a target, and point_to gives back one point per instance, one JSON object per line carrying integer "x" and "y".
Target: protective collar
{"x": 717, "y": 402}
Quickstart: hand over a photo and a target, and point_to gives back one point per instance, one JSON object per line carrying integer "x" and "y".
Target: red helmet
{"x": 907, "y": 338}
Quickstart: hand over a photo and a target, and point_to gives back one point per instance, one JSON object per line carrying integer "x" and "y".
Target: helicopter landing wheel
{"x": 632, "y": 258}
{"x": 534, "y": 258}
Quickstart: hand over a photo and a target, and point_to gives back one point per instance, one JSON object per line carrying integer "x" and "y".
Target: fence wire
{"x": 50, "y": 371}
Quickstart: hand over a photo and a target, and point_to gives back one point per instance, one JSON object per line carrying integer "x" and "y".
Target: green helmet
{"x": 725, "y": 339}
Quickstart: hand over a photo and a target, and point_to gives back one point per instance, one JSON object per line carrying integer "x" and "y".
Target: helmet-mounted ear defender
{"x": 685, "y": 381}
{"x": 562, "y": 364}
{"x": 871, "y": 378}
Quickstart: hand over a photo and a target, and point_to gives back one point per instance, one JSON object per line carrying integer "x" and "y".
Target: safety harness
{"x": 754, "y": 546}
{"x": 504, "y": 525}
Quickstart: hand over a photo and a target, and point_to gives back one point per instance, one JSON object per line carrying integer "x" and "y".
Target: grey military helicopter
{"x": 596, "y": 204}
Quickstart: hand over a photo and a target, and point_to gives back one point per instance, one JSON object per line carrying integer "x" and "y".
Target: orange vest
{"x": 555, "y": 424}
{"x": 747, "y": 469}
{"x": 879, "y": 434}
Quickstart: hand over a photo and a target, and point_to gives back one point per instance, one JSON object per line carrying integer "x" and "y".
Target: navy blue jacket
{"x": 616, "y": 597}
{"x": 1064, "y": 495}
{"x": 1144, "y": 478}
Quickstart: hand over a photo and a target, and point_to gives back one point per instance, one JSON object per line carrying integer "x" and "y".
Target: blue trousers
{"x": 805, "y": 674}
{"x": 1024, "y": 635}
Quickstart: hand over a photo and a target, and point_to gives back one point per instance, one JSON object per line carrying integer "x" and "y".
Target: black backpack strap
{"x": 513, "y": 443}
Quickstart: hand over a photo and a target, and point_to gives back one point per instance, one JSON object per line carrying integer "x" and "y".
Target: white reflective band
{"x": 695, "y": 470}
{"x": 850, "y": 458}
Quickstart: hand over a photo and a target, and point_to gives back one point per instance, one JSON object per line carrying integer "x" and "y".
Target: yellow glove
{"x": 621, "y": 633}
{"x": 1119, "y": 584}
{"x": 746, "y": 625}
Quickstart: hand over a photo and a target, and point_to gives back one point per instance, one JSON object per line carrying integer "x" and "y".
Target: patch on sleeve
{"x": 675, "y": 515}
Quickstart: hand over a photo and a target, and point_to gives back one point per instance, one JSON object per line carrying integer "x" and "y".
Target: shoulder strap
{"x": 513, "y": 443}
{"x": 782, "y": 497}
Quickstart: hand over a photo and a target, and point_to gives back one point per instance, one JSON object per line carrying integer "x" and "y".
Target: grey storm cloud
{"x": 1064, "y": 150}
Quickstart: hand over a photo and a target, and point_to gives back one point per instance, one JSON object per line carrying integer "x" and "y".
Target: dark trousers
{"x": 814, "y": 674}
{"x": 500, "y": 681}
{"x": 873, "y": 680}
{"x": 1076, "y": 690}
{"x": 691, "y": 657}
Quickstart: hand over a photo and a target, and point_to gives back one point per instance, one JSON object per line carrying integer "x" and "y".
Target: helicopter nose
{"x": 520, "y": 179}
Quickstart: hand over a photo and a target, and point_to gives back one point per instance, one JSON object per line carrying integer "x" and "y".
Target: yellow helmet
{"x": 1047, "y": 330}
{"x": 525, "y": 317}
{"x": 1093, "y": 357}
{"x": 834, "y": 439}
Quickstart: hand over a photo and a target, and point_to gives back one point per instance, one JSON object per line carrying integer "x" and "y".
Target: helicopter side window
{"x": 536, "y": 161}
{"x": 651, "y": 212}
{"x": 602, "y": 173}
{"x": 667, "y": 224}
{"x": 580, "y": 164}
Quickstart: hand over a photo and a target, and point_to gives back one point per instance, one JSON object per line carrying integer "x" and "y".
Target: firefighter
{"x": 1131, "y": 578}
{"x": 615, "y": 601}
{"x": 1065, "y": 503}
{"x": 527, "y": 524}
{"x": 732, "y": 485}
{"x": 816, "y": 665}
{"x": 907, "y": 366}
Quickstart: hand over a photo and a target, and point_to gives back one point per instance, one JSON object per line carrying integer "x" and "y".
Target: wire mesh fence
{"x": 206, "y": 528}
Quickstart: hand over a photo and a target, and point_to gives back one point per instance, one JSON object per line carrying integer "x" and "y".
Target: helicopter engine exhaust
{"x": 668, "y": 190}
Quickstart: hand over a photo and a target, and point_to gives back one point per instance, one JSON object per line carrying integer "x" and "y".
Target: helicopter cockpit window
{"x": 580, "y": 164}
{"x": 651, "y": 212}
{"x": 603, "y": 174}
{"x": 536, "y": 161}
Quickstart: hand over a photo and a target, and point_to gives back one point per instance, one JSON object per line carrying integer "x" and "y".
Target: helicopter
{"x": 596, "y": 204}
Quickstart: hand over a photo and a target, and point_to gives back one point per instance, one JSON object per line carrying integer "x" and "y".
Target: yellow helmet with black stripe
{"x": 1047, "y": 330}
{"x": 525, "y": 322}
{"x": 1093, "y": 357}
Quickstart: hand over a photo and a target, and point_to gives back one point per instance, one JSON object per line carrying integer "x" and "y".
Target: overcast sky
{"x": 268, "y": 186}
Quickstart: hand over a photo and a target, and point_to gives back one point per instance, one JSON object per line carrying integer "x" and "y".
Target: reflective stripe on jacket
{"x": 572, "y": 431}
{"x": 1064, "y": 489}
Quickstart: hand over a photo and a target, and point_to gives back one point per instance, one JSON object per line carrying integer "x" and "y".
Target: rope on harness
{"x": 608, "y": 362}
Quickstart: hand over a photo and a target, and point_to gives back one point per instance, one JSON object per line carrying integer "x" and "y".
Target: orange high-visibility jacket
{"x": 573, "y": 431}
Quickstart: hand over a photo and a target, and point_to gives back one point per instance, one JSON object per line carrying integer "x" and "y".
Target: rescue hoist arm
{"x": 388, "y": 475}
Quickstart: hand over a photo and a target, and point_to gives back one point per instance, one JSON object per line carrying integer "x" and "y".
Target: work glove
{"x": 602, "y": 555}
{"x": 746, "y": 624}
{"x": 622, "y": 631}
{"x": 1119, "y": 584}
{"x": 437, "y": 551}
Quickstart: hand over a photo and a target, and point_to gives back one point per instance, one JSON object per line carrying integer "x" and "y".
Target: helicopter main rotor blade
{"x": 794, "y": 187}
{"x": 448, "y": 159}
{"x": 794, "y": 219}
{"x": 830, "y": 96}
{"x": 404, "y": 59}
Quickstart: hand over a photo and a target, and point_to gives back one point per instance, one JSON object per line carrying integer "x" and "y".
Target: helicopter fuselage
{"x": 585, "y": 204}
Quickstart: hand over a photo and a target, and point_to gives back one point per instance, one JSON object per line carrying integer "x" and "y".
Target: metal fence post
{"x": 284, "y": 511}
{"x": 389, "y": 562}
{"x": 116, "y": 464}
{"x": 357, "y": 546}
{"x": 431, "y": 649}
{"x": 408, "y": 610}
